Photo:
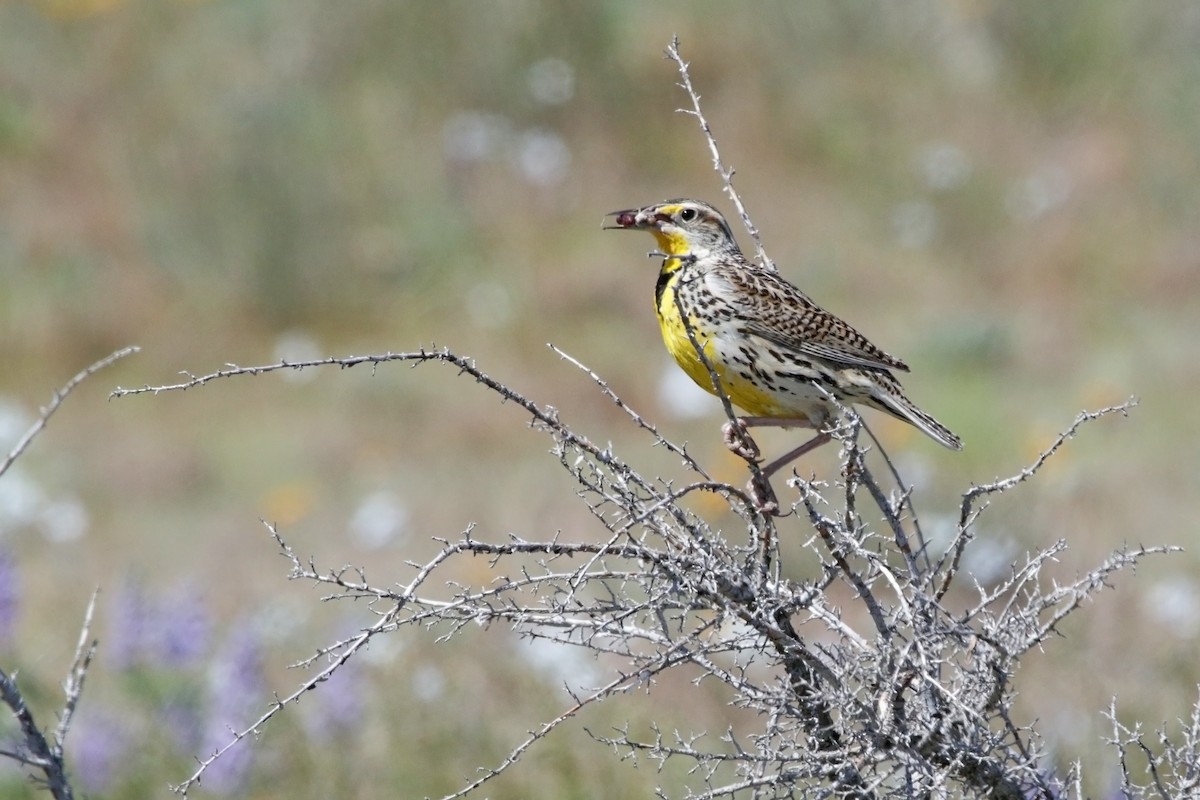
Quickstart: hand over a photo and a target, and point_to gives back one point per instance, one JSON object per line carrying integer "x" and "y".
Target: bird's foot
{"x": 737, "y": 438}
{"x": 762, "y": 495}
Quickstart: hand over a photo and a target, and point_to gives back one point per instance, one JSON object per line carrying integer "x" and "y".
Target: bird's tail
{"x": 896, "y": 404}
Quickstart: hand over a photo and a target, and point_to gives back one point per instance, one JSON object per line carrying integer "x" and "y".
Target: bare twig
{"x": 56, "y": 400}
{"x": 85, "y": 651}
{"x": 1000, "y": 486}
{"x": 351, "y": 646}
{"x": 726, "y": 174}
{"x": 968, "y": 513}
{"x": 35, "y": 751}
{"x": 638, "y": 419}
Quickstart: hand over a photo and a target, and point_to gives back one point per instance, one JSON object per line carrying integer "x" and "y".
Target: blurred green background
{"x": 1005, "y": 194}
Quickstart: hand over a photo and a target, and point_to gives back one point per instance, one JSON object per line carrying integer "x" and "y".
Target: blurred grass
{"x": 1003, "y": 193}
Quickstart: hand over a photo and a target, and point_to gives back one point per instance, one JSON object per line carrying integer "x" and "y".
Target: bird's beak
{"x": 629, "y": 219}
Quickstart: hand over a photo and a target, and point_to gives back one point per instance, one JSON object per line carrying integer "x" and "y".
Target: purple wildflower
{"x": 337, "y": 705}
{"x": 167, "y": 631}
{"x": 181, "y": 628}
{"x": 10, "y": 592}
{"x": 128, "y": 624}
{"x": 237, "y": 689}
{"x": 99, "y": 744}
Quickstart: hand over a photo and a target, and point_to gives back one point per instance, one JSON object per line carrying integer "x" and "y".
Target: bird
{"x": 774, "y": 353}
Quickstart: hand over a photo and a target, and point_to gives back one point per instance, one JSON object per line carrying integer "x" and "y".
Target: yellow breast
{"x": 741, "y": 392}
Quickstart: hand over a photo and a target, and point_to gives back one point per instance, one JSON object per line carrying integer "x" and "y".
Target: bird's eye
{"x": 687, "y": 215}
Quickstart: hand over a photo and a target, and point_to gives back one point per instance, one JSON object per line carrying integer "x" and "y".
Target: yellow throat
{"x": 672, "y": 244}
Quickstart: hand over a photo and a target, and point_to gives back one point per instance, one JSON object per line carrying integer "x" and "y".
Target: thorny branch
{"x": 35, "y": 750}
{"x": 726, "y": 173}
{"x": 1168, "y": 765}
{"x": 968, "y": 513}
{"x": 42, "y": 751}
{"x": 56, "y": 401}
{"x": 878, "y": 692}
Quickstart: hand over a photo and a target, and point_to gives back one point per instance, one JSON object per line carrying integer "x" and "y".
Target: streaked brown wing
{"x": 782, "y": 314}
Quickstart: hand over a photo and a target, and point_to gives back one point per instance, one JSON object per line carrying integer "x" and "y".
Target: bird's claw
{"x": 762, "y": 495}
{"x": 737, "y": 439}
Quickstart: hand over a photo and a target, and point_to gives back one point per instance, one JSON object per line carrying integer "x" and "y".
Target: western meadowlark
{"x": 778, "y": 355}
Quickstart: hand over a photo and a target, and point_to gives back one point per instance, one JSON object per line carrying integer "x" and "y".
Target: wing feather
{"x": 778, "y": 312}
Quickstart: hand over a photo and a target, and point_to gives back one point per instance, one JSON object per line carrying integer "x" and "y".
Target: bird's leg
{"x": 759, "y": 486}
{"x": 792, "y": 455}
{"x": 736, "y": 433}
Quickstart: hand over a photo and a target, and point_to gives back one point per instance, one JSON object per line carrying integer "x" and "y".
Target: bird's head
{"x": 681, "y": 227}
